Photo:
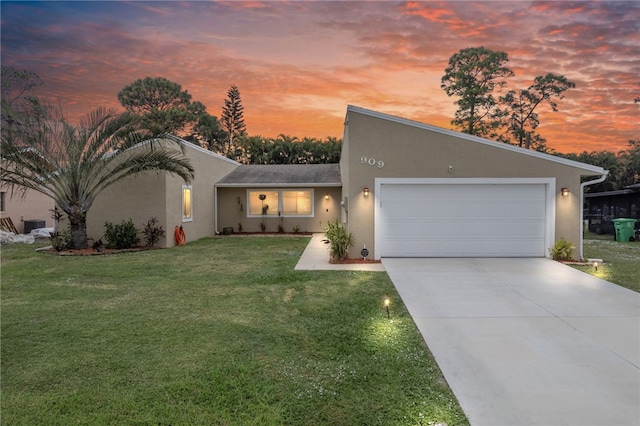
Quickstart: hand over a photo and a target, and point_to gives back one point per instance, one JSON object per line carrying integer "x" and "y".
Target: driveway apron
{"x": 527, "y": 341}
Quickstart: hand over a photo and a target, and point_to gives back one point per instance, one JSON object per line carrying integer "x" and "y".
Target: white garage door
{"x": 461, "y": 220}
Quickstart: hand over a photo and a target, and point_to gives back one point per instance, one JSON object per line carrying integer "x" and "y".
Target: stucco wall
{"x": 137, "y": 198}
{"x": 383, "y": 148}
{"x": 32, "y": 206}
{"x": 160, "y": 195}
{"x": 230, "y": 214}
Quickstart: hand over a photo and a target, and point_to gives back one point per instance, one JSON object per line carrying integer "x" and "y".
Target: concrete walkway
{"x": 316, "y": 257}
{"x": 527, "y": 341}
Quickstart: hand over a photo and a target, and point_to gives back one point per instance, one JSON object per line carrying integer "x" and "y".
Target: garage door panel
{"x": 449, "y": 220}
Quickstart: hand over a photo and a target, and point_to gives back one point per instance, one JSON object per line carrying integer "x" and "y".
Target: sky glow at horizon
{"x": 299, "y": 64}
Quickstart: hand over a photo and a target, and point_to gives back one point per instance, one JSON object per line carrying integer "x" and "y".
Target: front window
{"x": 280, "y": 203}
{"x": 297, "y": 203}
{"x": 187, "y": 203}
{"x": 263, "y": 203}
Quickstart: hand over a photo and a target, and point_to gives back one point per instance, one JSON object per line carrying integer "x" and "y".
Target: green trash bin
{"x": 624, "y": 229}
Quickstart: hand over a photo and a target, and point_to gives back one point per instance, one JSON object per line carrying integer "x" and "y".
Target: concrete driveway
{"x": 527, "y": 341}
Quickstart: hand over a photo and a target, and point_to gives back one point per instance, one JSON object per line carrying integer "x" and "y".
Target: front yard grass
{"x": 622, "y": 260}
{"x": 221, "y": 331}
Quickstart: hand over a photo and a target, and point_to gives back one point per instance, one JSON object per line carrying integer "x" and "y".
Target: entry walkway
{"x": 316, "y": 257}
{"x": 527, "y": 341}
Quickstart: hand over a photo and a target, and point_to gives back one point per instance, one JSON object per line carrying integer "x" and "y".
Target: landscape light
{"x": 387, "y": 302}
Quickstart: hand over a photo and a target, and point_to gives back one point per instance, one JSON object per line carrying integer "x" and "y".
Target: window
{"x": 187, "y": 203}
{"x": 264, "y": 202}
{"x": 297, "y": 202}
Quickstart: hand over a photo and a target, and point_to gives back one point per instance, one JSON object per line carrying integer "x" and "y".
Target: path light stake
{"x": 386, "y": 305}
{"x": 595, "y": 265}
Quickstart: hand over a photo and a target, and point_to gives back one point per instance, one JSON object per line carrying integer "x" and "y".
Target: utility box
{"x": 35, "y": 224}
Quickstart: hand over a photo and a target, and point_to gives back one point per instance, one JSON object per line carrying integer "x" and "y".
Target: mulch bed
{"x": 92, "y": 251}
{"x": 353, "y": 261}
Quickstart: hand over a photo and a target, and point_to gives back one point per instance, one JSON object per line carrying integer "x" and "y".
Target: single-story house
{"x": 402, "y": 188}
{"x": 603, "y": 207}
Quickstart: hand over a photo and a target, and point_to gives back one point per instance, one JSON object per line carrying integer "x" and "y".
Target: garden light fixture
{"x": 387, "y": 302}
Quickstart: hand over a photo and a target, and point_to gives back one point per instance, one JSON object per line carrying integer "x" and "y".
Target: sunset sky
{"x": 298, "y": 64}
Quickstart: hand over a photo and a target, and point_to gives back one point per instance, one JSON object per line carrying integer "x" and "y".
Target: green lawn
{"x": 622, "y": 260}
{"x": 221, "y": 331}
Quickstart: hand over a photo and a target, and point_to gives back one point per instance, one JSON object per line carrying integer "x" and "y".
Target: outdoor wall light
{"x": 564, "y": 192}
{"x": 326, "y": 196}
{"x": 365, "y": 191}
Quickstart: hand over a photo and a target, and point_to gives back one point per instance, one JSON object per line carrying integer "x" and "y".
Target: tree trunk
{"x": 78, "y": 223}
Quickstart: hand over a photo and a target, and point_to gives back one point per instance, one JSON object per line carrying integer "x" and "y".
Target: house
{"x": 603, "y": 207}
{"x": 402, "y": 188}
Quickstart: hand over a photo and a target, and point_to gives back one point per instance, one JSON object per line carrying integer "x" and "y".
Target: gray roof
{"x": 283, "y": 175}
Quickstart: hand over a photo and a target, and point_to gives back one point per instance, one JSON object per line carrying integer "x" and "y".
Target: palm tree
{"x": 42, "y": 151}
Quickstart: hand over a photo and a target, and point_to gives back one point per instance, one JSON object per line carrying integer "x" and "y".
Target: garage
{"x": 464, "y": 217}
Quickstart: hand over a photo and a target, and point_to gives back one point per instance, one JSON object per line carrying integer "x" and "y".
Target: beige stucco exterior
{"x": 160, "y": 195}
{"x": 21, "y": 207}
{"x": 233, "y": 210}
{"x": 378, "y": 146}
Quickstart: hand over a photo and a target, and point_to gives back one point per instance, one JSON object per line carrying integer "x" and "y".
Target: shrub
{"x": 61, "y": 240}
{"x": 339, "y": 240}
{"x": 122, "y": 236}
{"x": 152, "y": 232}
{"x": 562, "y": 250}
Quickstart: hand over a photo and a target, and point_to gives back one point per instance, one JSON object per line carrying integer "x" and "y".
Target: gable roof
{"x": 283, "y": 175}
{"x": 500, "y": 145}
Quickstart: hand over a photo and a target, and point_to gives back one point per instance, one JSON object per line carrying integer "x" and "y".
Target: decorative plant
{"x": 296, "y": 229}
{"x": 61, "y": 240}
{"x": 265, "y": 209}
{"x": 281, "y": 225}
{"x": 152, "y": 232}
{"x": 562, "y": 250}
{"x": 339, "y": 240}
{"x": 122, "y": 236}
{"x": 239, "y": 226}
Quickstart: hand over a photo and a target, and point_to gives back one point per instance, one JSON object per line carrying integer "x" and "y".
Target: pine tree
{"x": 232, "y": 120}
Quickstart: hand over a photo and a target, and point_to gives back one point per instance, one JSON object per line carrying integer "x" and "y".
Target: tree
{"x": 208, "y": 133}
{"x": 163, "y": 105}
{"x": 522, "y": 120}
{"x": 472, "y": 75}
{"x": 232, "y": 121}
{"x": 74, "y": 164}
{"x": 17, "y": 93}
{"x": 630, "y": 159}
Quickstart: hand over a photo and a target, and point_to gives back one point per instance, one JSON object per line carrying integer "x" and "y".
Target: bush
{"x": 339, "y": 240}
{"x": 152, "y": 232}
{"x": 121, "y": 236}
{"x": 61, "y": 240}
{"x": 562, "y": 250}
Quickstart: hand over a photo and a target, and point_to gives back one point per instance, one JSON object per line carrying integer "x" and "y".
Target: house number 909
{"x": 372, "y": 162}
